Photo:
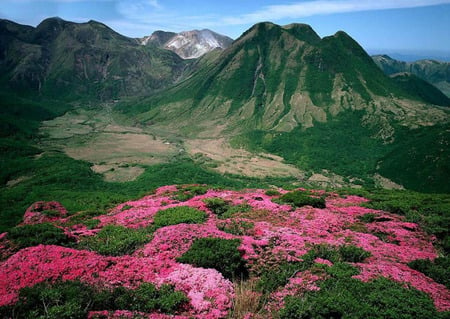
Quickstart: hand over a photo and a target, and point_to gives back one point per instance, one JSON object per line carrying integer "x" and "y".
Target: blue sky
{"x": 403, "y": 26}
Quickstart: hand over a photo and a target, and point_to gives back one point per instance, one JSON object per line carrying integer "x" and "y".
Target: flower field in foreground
{"x": 269, "y": 235}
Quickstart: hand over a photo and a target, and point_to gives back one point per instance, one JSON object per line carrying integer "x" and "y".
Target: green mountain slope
{"x": 435, "y": 72}
{"x": 415, "y": 85}
{"x": 321, "y": 104}
{"x": 84, "y": 61}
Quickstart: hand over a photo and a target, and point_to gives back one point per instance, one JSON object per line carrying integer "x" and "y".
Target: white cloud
{"x": 321, "y": 7}
{"x": 154, "y": 4}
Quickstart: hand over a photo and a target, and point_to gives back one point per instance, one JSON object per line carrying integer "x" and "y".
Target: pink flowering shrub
{"x": 43, "y": 212}
{"x": 270, "y": 235}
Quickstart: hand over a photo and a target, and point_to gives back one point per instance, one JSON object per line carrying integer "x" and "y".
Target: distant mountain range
{"x": 322, "y": 104}
{"x": 188, "y": 44}
{"x": 435, "y": 72}
{"x": 81, "y": 61}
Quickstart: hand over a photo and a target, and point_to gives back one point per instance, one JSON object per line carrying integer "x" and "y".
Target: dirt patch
{"x": 115, "y": 150}
{"x": 386, "y": 182}
{"x": 117, "y": 173}
{"x": 122, "y": 148}
{"x": 240, "y": 161}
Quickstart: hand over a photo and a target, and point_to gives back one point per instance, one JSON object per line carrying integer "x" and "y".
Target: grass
{"x": 114, "y": 240}
{"x": 179, "y": 215}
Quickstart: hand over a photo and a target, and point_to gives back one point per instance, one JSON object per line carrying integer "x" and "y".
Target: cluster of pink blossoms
{"x": 278, "y": 233}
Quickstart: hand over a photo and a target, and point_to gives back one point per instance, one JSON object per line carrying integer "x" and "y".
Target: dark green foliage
{"x": 114, "y": 240}
{"x": 438, "y": 270}
{"x": 188, "y": 192}
{"x": 367, "y": 218}
{"x": 353, "y": 254}
{"x": 238, "y": 228}
{"x": 217, "y": 205}
{"x": 33, "y": 235}
{"x": 62, "y": 300}
{"x": 341, "y": 270}
{"x": 347, "y": 253}
{"x": 274, "y": 277}
{"x": 418, "y": 87}
{"x": 351, "y": 298}
{"x": 146, "y": 298}
{"x": 179, "y": 215}
{"x": 73, "y": 300}
{"x": 220, "y": 254}
{"x": 300, "y": 198}
{"x": 272, "y": 192}
{"x": 223, "y": 209}
{"x": 419, "y": 159}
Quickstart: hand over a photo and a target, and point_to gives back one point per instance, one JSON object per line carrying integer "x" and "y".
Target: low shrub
{"x": 272, "y": 278}
{"x": 188, "y": 192}
{"x": 217, "y": 205}
{"x": 299, "y": 199}
{"x": 146, "y": 298}
{"x": 272, "y": 192}
{"x": 223, "y": 208}
{"x": 179, "y": 215}
{"x": 73, "y": 300}
{"x": 347, "y": 253}
{"x": 352, "y": 298}
{"x": 220, "y": 254}
{"x": 114, "y": 240}
{"x": 367, "y": 218}
{"x": 353, "y": 254}
{"x": 33, "y": 235}
{"x": 238, "y": 228}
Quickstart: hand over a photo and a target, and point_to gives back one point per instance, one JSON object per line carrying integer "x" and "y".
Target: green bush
{"x": 33, "y": 235}
{"x": 354, "y": 299}
{"x": 348, "y": 253}
{"x": 438, "y": 270}
{"x": 179, "y": 215}
{"x": 272, "y": 192}
{"x": 73, "y": 300}
{"x": 238, "y": 228}
{"x": 274, "y": 277}
{"x": 217, "y": 205}
{"x": 223, "y": 208}
{"x": 62, "y": 300}
{"x": 367, "y": 218}
{"x": 353, "y": 254}
{"x": 189, "y": 192}
{"x": 220, "y": 254}
{"x": 299, "y": 199}
{"x": 114, "y": 240}
{"x": 146, "y": 298}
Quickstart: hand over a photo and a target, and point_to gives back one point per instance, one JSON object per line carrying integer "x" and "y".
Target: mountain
{"x": 321, "y": 104}
{"x": 435, "y": 72}
{"x": 415, "y": 85}
{"x": 81, "y": 61}
{"x": 188, "y": 44}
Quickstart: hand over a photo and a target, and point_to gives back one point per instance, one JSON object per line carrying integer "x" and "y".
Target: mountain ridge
{"x": 83, "y": 60}
{"x": 188, "y": 44}
{"x": 432, "y": 71}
